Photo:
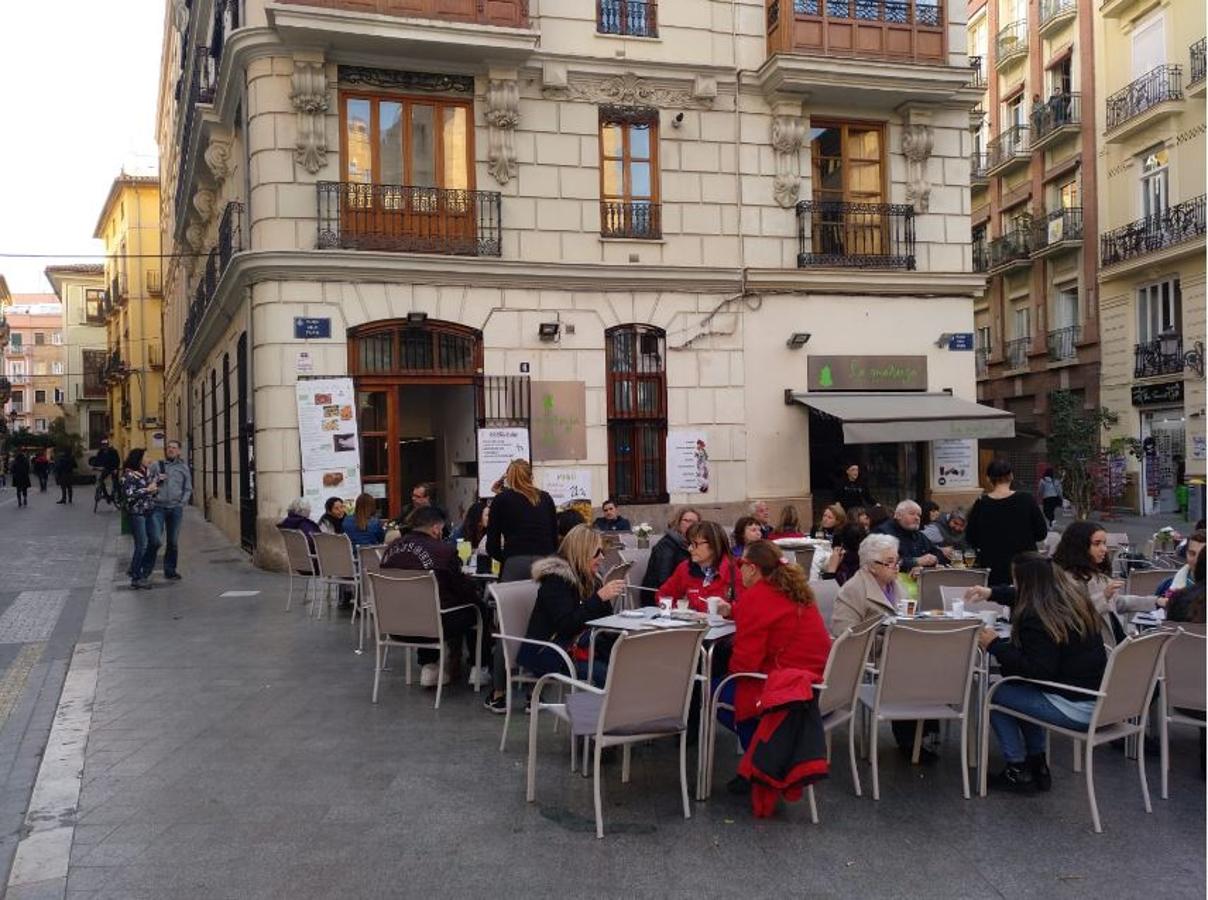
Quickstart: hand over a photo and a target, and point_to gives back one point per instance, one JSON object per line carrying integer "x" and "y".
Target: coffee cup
{"x": 681, "y": 603}
{"x": 713, "y": 603}
{"x": 958, "y": 608}
{"x": 665, "y": 604}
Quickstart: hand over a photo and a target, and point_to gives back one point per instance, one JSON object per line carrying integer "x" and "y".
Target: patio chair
{"x": 805, "y": 559}
{"x": 925, "y": 672}
{"x": 931, "y": 580}
{"x": 1144, "y": 582}
{"x": 612, "y": 558}
{"x": 301, "y": 561}
{"x": 826, "y": 592}
{"x": 369, "y": 559}
{"x": 640, "y": 560}
{"x": 337, "y": 568}
{"x": 646, "y": 696}
{"x": 1121, "y": 708}
{"x": 514, "y": 602}
{"x": 1182, "y": 688}
{"x": 407, "y": 613}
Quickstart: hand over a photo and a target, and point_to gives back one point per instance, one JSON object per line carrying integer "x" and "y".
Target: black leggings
{"x": 22, "y": 496}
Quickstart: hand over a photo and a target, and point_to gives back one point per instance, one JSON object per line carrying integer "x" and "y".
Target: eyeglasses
{"x": 700, "y": 544}
{"x": 887, "y": 563}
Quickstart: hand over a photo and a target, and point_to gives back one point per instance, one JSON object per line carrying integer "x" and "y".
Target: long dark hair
{"x": 1073, "y": 551}
{"x": 134, "y": 459}
{"x": 740, "y": 527}
{"x": 471, "y": 529}
{"x": 1063, "y": 607}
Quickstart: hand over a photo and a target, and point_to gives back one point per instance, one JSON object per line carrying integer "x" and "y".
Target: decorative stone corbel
{"x": 704, "y": 89}
{"x": 203, "y": 202}
{"x": 502, "y": 116}
{"x": 195, "y": 236}
{"x": 180, "y": 16}
{"x": 787, "y": 138}
{"x": 917, "y": 142}
{"x": 218, "y": 158}
{"x": 309, "y": 99}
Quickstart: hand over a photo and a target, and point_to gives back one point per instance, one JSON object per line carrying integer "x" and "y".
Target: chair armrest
{"x": 456, "y": 608}
{"x": 736, "y": 675}
{"x": 570, "y": 666}
{"x": 574, "y": 683}
{"x": 1039, "y": 683}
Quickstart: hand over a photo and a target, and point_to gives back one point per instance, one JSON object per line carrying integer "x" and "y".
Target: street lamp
{"x": 1170, "y": 345}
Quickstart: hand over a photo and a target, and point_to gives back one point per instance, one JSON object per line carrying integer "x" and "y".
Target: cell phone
{"x": 618, "y": 573}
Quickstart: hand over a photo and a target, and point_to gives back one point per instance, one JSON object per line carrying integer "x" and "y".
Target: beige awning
{"x": 871, "y": 418}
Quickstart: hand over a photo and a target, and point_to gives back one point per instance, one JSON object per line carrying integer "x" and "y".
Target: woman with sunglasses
{"x": 709, "y": 570}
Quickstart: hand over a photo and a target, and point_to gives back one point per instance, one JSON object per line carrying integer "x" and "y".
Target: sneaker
{"x": 497, "y": 705}
{"x": 428, "y": 675}
{"x": 1014, "y": 778}
{"x": 175, "y": 576}
{"x": 480, "y": 676}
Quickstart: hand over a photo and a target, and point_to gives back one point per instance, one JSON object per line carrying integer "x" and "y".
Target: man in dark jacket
{"x": 852, "y": 491}
{"x": 915, "y": 550}
{"x": 422, "y": 549}
{"x": 668, "y": 553}
{"x": 612, "y": 520}
{"x": 110, "y": 464}
{"x": 64, "y": 466}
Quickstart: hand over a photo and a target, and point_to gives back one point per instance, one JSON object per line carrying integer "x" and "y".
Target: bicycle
{"x": 100, "y": 492}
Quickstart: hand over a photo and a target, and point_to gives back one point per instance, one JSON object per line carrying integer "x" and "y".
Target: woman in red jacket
{"x": 710, "y": 570}
{"x": 778, "y": 627}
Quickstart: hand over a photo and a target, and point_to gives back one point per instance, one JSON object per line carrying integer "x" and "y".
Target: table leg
{"x": 706, "y": 711}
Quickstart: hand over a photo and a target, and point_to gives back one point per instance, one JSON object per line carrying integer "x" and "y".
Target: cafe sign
{"x": 1151, "y": 394}
{"x": 867, "y": 373}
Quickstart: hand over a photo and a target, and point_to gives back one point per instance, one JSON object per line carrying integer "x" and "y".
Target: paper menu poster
{"x": 329, "y": 441}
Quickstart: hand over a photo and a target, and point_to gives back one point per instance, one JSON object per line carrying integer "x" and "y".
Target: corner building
{"x": 683, "y": 213}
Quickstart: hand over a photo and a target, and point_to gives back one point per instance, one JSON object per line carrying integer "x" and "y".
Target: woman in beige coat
{"x": 873, "y": 590}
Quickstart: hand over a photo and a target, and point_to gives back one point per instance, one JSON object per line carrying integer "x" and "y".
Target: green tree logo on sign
{"x": 824, "y": 377}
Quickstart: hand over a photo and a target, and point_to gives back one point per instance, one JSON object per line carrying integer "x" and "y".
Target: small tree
{"x": 62, "y": 439}
{"x": 1074, "y": 447}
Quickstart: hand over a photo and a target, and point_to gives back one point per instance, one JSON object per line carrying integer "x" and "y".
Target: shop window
{"x": 629, "y": 173}
{"x": 635, "y": 358}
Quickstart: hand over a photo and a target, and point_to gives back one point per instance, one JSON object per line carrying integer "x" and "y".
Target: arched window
{"x": 636, "y": 361}
{"x": 226, "y": 427}
{"x": 415, "y": 349}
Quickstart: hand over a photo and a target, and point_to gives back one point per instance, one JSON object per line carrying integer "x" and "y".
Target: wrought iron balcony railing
{"x": 1051, "y": 10}
{"x": 1011, "y": 145}
{"x": 1063, "y": 342}
{"x": 1012, "y": 41}
{"x": 1176, "y": 225}
{"x": 979, "y": 165}
{"x": 977, "y": 76}
{"x": 230, "y": 242}
{"x": 1015, "y": 352}
{"x": 1154, "y": 87}
{"x": 855, "y": 235}
{"x": 408, "y": 219}
{"x": 981, "y": 362}
{"x": 638, "y": 219}
{"x": 1057, "y": 227}
{"x": 1014, "y": 246}
{"x": 1197, "y": 71}
{"x": 1162, "y": 356}
{"x": 635, "y": 18}
{"x": 981, "y": 256}
{"x": 1058, "y": 112}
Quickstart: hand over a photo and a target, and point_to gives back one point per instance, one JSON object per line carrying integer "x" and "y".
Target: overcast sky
{"x": 78, "y": 83}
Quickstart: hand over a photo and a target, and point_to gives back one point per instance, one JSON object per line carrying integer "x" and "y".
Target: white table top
{"x": 718, "y": 627}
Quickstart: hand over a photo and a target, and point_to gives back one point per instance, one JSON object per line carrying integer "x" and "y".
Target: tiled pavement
{"x": 234, "y": 753}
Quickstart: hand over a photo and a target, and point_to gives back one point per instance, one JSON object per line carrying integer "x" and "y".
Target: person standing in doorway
{"x": 853, "y": 491}
{"x": 20, "y": 473}
{"x": 65, "y": 466}
{"x": 175, "y": 490}
{"x": 42, "y": 470}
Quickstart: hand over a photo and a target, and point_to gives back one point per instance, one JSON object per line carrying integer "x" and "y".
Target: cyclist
{"x": 108, "y": 462}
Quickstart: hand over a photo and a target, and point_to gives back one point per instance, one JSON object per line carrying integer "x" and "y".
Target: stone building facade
{"x": 462, "y": 203}
{"x": 81, "y": 290}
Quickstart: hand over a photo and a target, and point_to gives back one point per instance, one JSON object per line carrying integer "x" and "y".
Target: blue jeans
{"x": 1018, "y": 739}
{"x": 744, "y": 729}
{"x": 167, "y": 522}
{"x": 145, "y": 531}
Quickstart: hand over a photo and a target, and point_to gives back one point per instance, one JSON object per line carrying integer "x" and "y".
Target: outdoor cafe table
{"x": 719, "y": 628}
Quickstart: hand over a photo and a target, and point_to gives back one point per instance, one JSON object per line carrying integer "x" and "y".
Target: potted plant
{"x": 643, "y": 532}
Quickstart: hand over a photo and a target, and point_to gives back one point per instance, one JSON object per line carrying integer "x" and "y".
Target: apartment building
{"x": 34, "y": 362}
{"x": 81, "y": 292}
{"x": 1034, "y": 160}
{"x": 739, "y": 227}
{"x": 133, "y": 373}
{"x": 1151, "y": 76}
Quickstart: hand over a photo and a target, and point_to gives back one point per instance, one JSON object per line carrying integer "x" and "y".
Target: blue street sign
{"x": 961, "y": 341}
{"x": 312, "y": 328}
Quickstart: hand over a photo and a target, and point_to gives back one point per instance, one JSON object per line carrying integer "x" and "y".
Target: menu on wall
{"x": 567, "y": 485}
{"x": 497, "y": 447}
{"x": 954, "y": 463}
{"x": 327, "y": 434}
{"x": 687, "y": 462}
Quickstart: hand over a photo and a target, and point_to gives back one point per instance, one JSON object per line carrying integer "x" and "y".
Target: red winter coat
{"x": 688, "y": 576}
{"x": 774, "y": 632}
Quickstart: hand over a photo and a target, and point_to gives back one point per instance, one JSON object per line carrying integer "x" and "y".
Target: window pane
{"x": 639, "y": 180}
{"x": 390, "y": 143}
{"x": 826, "y": 142}
{"x": 372, "y": 405}
{"x": 614, "y": 183}
{"x": 423, "y": 146}
{"x": 455, "y": 147}
{"x": 639, "y": 141}
{"x": 376, "y": 353}
{"x": 864, "y": 144}
{"x": 360, "y": 154}
{"x": 865, "y": 179}
{"x": 610, "y": 140}
{"x": 828, "y": 177}
{"x": 373, "y": 455}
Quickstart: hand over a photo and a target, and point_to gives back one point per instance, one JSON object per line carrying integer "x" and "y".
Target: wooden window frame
{"x": 636, "y": 420}
{"x": 627, "y": 117}
{"x": 845, "y": 159}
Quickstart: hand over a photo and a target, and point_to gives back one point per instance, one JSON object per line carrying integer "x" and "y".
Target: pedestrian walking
{"x": 64, "y": 467}
{"x": 20, "y": 473}
{"x": 1050, "y": 496}
{"x": 139, "y": 488}
{"x": 42, "y": 470}
{"x": 175, "y": 490}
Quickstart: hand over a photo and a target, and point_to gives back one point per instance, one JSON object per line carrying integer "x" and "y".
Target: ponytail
{"x": 786, "y": 577}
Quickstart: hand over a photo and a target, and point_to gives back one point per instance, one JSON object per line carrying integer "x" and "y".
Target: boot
{"x": 1041, "y": 776}
{"x": 1015, "y": 778}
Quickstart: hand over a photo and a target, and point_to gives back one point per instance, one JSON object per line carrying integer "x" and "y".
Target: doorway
{"x": 892, "y": 472}
{"x": 1162, "y": 466}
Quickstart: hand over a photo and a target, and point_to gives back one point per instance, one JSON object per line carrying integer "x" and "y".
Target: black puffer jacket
{"x": 668, "y": 553}
{"x": 1032, "y": 653}
{"x": 911, "y": 544}
{"x": 560, "y": 613}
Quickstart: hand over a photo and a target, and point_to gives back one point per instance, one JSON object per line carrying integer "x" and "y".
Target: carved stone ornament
{"x": 309, "y": 99}
{"x": 195, "y": 236}
{"x": 917, "y": 142}
{"x": 180, "y": 15}
{"x": 218, "y": 158}
{"x": 415, "y": 82}
{"x": 788, "y": 137}
{"x": 629, "y": 90}
{"x": 203, "y": 202}
{"x": 502, "y": 115}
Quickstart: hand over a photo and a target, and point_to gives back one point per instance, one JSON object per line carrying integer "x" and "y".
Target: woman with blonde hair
{"x": 524, "y": 523}
{"x": 789, "y": 525}
{"x": 833, "y": 518}
{"x": 570, "y": 595}
{"x": 363, "y": 527}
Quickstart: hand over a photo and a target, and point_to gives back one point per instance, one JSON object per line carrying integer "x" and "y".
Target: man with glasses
{"x": 612, "y": 520}
{"x": 421, "y": 498}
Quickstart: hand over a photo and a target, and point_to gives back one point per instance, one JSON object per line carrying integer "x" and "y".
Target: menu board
{"x": 954, "y": 463}
{"x": 497, "y": 447}
{"x": 327, "y": 433}
{"x": 567, "y": 485}
{"x": 687, "y": 462}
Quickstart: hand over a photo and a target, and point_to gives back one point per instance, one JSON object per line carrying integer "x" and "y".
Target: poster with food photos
{"x": 327, "y": 434}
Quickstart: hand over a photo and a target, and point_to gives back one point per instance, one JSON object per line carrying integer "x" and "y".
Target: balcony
{"x": 632, "y": 18}
{"x": 977, "y": 77}
{"x": 16, "y": 351}
{"x": 203, "y": 82}
{"x": 1056, "y": 231}
{"x": 1063, "y": 343}
{"x": 17, "y": 378}
{"x": 855, "y": 235}
{"x": 407, "y": 219}
{"x": 153, "y": 283}
{"x": 461, "y": 30}
{"x": 633, "y": 220}
{"x": 1055, "y": 13}
{"x": 877, "y": 29}
{"x": 979, "y": 167}
{"x": 1196, "y": 73}
{"x": 981, "y": 362}
{"x": 230, "y": 242}
{"x": 1163, "y": 356}
{"x": 1155, "y": 95}
{"x": 1010, "y": 149}
{"x": 1011, "y": 43}
{"x": 1011, "y": 251}
{"x": 155, "y": 355}
{"x": 1015, "y": 353}
{"x": 1060, "y": 115}
{"x": 981, "y": 256}
{"x": 1179, "y": 224}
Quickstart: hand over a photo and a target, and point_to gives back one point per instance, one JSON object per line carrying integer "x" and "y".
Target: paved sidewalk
{"x": 234, "y": 753}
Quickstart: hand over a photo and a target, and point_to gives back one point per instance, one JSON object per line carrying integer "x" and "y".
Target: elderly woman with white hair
{"x": 297, "y": 516}
{"x": 873, "y": 590}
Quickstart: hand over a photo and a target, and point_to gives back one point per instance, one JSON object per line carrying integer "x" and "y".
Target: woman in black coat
{"x": 1003, "y": 523}
{"x": 20, "y": 473}
{"x": 65, "y": 466}
{"x": 852, "y": 490}
{"x": 523, "y": 526}
{"x": 669, "y": 552}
